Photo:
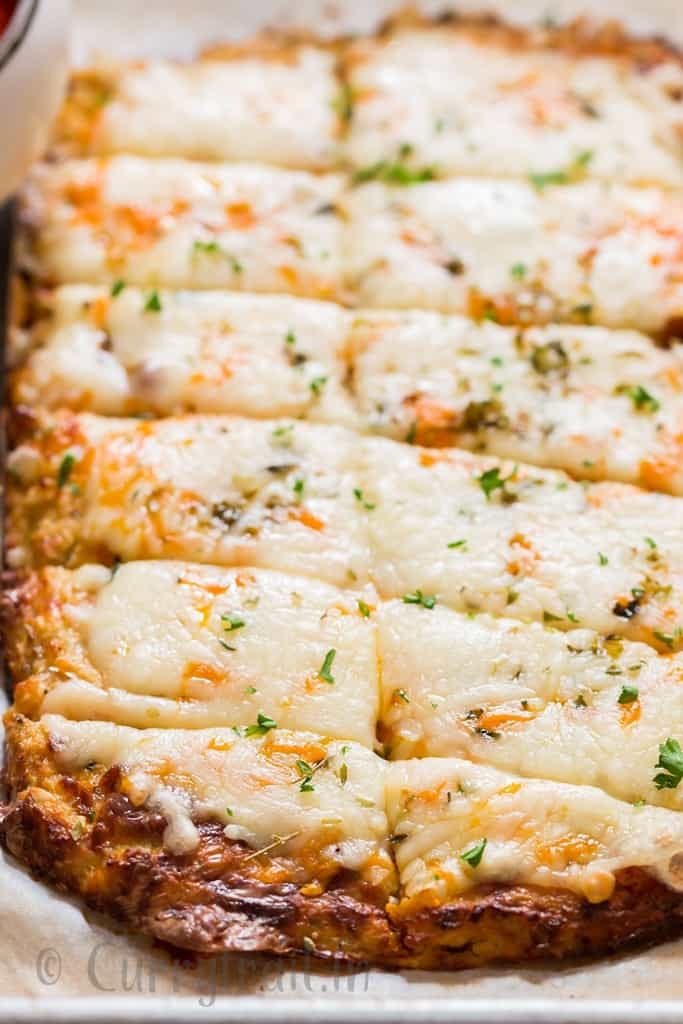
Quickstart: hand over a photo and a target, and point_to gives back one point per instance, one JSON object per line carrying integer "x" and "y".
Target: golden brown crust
{"x": 580, "y": 37}
{"x": 90, "y": 89}
{"x": 517, "y": 923}
{"x": 83, "y": 834}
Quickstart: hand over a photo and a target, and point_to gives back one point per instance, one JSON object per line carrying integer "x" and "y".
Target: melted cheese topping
{"x": 536, "y": 832}
{"x": 538, "y": 547}
{"x": 207, "y": 351}
{"x": 466, "y": 106}
{"x": 610, "y": 250}
{"x": 178, "y": 224}
{"x": 212, "y": 489}
{"x": 252, "y": 785}
{"x": 573, "y": 707}
{"x": 193, "y": 646}
{"x": 601, "y": 404}
{"x": 279, "y": 111}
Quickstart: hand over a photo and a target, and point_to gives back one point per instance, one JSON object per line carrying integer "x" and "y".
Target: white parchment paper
{"x": 59, "y": 961}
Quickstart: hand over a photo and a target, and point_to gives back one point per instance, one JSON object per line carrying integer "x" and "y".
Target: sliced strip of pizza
{"x": 493, "y": 866}
{"x": 268, "y": 100}
{"x": 175, "y": 223}
{"x": 223, "y": 352}
{"x": 575, "y": 707}
{"x": 480, "y": 534}
{"x": 520, "y": 252}
{"x": 272, "y": 493}
{"x": 600, "y": 404}
{"x": 176, "y": 644}
{"x": 486, "y": 98}
{"x": 209, "y": 839}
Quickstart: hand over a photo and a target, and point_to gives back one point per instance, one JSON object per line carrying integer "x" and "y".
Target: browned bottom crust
{"x": 222, "y": 898}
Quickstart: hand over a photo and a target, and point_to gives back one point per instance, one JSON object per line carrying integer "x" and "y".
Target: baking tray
{"x": 60, "y": 963}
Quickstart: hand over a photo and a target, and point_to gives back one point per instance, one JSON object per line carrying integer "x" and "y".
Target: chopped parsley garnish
{"x": 549, "y": 617}
{"x": 153, "y": 303}
{"x": 572, "y": 617}
{"x": 364, "y": 609}
{"x": 263, "y": 725}
{"x": 565, "y": 176}
{"x": 474, "y": 854}
{"x": 299, "y": 488}
{"x": 117, "y": 288}
{"x": 325, "y": 672}
{"x": 306, "y": 772}
{"x": 491, "y": 481}
{"x": 250, "y": 689}
{"x": 290, "y": 338}
{"x": 671, "y": 761}
{"x": 343, "y": 773}
{"x": 343, "y": 103}
{"x": 212, "y": 248}
{"x": 394, "y": 172}
{"x": 518, "y": 270}
{"x": 231, "y": 622}
{"x": 358, "y": 495}
{"x": 667, "y": 638}
{"x": 642, "y": 400}
{"x": 628, "y": 694}
{"x": 65, "y": 468}
{"x": 417, "y": 597}
{"x": 602, "y": 559}
{"x": 650, "y": 543}
{"x": 457, "y": 544}
{"x": 317, "y": 385}
{"x": 228, "y": 811}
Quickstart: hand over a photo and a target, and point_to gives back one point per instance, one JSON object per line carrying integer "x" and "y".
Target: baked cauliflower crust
{"x": 79, "y": 828}
{"x": 219, "y": 899}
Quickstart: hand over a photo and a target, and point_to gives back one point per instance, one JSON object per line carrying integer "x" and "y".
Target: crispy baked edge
{"x": 215, "y": 900}
{"x": 580, "y": 37}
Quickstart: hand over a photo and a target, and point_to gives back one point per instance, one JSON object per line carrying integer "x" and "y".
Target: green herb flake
{"x": 317, "y": 385}
{"x": 628, "y": 694}
{"x": 325, "y": 672}
{"x": 342, "y": 104}
{"x": 642, "y": 400}
{"x": 474, "y": 854}
{"x": 358, "y": 495}
{"x": 667, "y": 638}
{"x": 518, "y": 271}
{"x": 602, "y": 559}
{"x": 417, "y": 597}
{"x": 364, "y": 609}
{"x": 231, "y": 622}
{"x": 153, "y": 303}
{"x": 65, "y": 467}
{"x": 575, "y": 171}
{"x": 671, "y": 761}
{"x": 263, "y": 725}
{"x": 393, "y": 173}
{"x": 462, "y": 544}
{"x": 117, "y": 287}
